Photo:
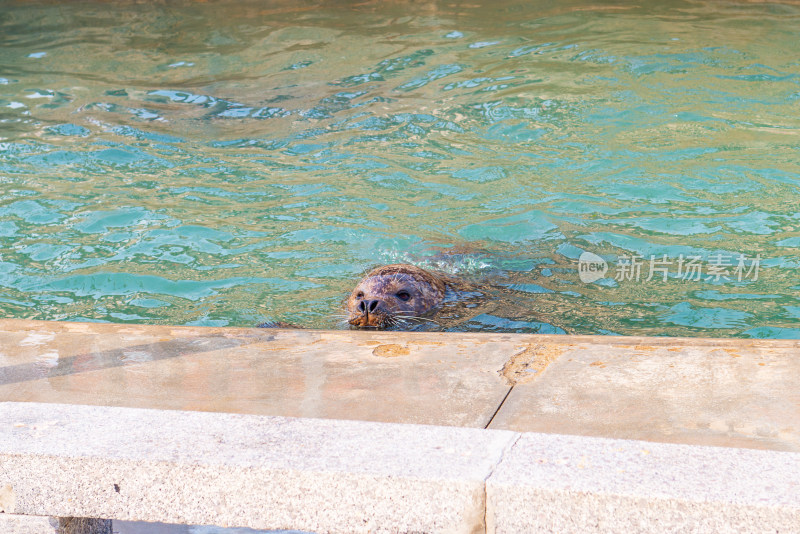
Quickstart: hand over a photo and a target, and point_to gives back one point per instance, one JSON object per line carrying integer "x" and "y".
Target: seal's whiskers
{"x": 416, "y": 318}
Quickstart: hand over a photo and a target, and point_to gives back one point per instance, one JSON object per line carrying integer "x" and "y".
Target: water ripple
{"x": 227, "y": 163}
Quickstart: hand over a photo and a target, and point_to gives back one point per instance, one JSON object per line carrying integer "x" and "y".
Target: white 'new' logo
{"x": 591, "y": 267}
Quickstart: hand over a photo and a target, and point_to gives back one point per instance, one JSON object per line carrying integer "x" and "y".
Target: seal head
{"x": 393, "y": 295}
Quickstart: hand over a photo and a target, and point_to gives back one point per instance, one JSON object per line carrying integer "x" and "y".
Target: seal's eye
{"x": 403, "y": 295}
{"x": 360, "y": 295}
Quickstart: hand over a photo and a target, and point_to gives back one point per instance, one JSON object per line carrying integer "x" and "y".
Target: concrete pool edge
{"x": 691, "y": 392}
{"x": 351, "y": 476}
{"x": 728, "y": 392}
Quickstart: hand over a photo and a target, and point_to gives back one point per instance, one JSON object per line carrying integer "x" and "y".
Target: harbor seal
{"x": 404, "y": 297}
{"x": 395, "y": 295}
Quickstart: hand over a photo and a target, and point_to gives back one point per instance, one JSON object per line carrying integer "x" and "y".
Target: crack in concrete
{"x": 503, "y": 453}
{"x": 524, "y": 366}
{"x": 498, "y": 407}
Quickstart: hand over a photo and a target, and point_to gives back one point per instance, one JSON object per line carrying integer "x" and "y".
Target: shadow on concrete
{"x": 133, "y": 355}
{"x": 128, "y": 527}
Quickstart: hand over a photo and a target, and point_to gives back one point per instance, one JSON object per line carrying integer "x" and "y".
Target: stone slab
{"x": 732, "y": 392}
{"x": 244, "y": 470}
{"x": 128, "y": 527}
{"x": 29, "y": 524}
{"x": 24, "y": 524}
{"x": 419, "y": 378}
{"x": 573, "y": 484}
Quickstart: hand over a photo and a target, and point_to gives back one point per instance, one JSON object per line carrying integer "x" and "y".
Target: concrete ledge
{"x": 548, "y": 483}
{"x": 346, "y": 476}
{"x": 720, "y": 392}
{"x": 246, "y": 471}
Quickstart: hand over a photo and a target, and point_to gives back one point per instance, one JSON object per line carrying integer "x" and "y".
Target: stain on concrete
{"x": 529, "y": 363}
{"x": 8, "y": 500}
{"x": 390, "y": 351}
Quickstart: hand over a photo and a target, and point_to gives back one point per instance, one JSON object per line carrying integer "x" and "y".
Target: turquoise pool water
{"x": 226, "y": 163}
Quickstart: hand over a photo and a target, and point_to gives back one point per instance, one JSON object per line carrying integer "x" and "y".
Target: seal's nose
{"x": 368, "y": 306}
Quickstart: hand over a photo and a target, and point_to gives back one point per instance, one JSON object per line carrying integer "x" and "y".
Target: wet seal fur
{"x": 404, "y": 297}
{"x": 397, "y": 295}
